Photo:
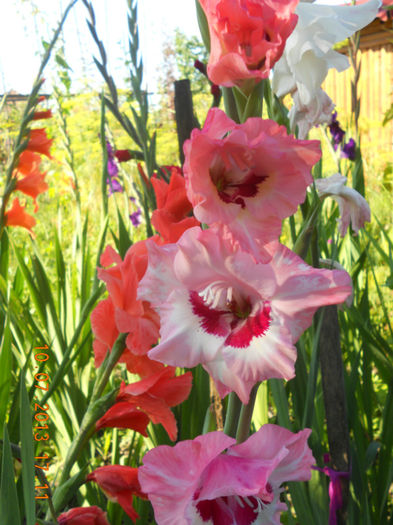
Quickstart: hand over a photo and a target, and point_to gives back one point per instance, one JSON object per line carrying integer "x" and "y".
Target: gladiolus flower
{"x": 151, "y": 397}
{"x": 171, "y": 218}
{"x": 33, "y": 184}
{"x": 17, "y": 216}
{"x": 349, "y": 150}
{"x": 39, "y": 142}
{"x": 308, "y": 53}
{"x": 131, "y": 315}
{"x": 240, "y": 319}
{"x": 28, "y": 162}
{"x": 353, "y": 207}
{"x": 336, "y": 131}
{"x": 38, "y": 115}
{"x": 83, "y": 516}
{"x": 195, "y": 483}
{"x": 135, "y": 217}
{"x": 123, "y": 155}
{"x": 319, "y": 111}
{"x": 105, "y": 332}
{"x": 248, "y": 176}
{"x": 246, "y": 37}
{"x": 120, "y": 484}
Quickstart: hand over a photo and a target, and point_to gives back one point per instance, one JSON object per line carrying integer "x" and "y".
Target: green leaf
{"x": 5, "y": 371}
{"x": 27, "y": 454}
{"x": 62, "y": 63}
{"x": 9, "y": 506}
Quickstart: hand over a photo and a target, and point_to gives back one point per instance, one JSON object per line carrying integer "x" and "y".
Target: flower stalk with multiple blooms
{"x": 215, "y": 286}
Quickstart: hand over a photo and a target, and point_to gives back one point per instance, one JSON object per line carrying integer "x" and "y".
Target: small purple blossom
{"x": 136, "y": 217}
{"x": 114, "y": 186}
{"x": 335, "y": 491}
{"x": 109, "y": 149}
{"x": 336, "y": 131}
{"x": 349, "y": 150}
{"x": 112, "y": 168}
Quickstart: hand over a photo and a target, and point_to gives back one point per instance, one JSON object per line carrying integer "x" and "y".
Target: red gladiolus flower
{"x": 170, "y": 218}
{"x": 33, "y": 184}
{"x": 17, "y": 216}
{"x": 38, "y": 115}
{"x": 151, "y": 397}
{"x": 39, "y": 142}
{"x": 119, "y": 483}
{"x": 123, "y": 155}
{"x": 28, "y": 162}
{"x": 83, "y": 516}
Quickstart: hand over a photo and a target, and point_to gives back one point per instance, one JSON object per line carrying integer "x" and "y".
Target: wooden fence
{"x": 375, "y": 89}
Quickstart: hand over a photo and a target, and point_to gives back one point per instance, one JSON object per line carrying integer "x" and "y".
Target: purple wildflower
{"x": 112, "y": 168}
{"x": 349, "y": 150}
{"x": 114, "y": 186}
{"x": 136, "y": 217}
{"x": 336, "y": 131}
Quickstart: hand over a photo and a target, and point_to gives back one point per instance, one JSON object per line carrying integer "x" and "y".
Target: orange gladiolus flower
{"x": 33, "y": 184}
{"x": 152, "y": 396}
{"x": 119, "y": 483}
{"x": 17, "y": 216}
{"x": 171, "y": 218}
{"x": 28, "y": 162}
{"x": 39, "y": 142}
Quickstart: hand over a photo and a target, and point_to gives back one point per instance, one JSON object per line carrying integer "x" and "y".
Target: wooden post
{"x": 335, "y": 400}
{"x": 184, "y": 111}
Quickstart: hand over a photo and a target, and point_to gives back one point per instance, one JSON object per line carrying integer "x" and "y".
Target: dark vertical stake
{"x": 184, "y": 110}
{"x": 335, "y": 401}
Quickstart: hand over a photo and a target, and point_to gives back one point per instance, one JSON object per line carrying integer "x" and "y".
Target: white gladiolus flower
{"x": 319, "y": 111}
{"x": 308, "y": 53}
{"x": 353, "y": 207}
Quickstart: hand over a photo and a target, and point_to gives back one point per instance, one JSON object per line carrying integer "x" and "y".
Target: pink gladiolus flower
{"x": 238, "y": 318}
{"x": 120, "y": 484}
{"x": 247, "y": 37}
{"x": 353, "y": 207}
{"x": 194, "y": 483}
{"x": 247, "y": 176}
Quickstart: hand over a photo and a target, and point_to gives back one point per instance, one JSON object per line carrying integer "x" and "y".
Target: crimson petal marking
{"x": 254, "y": 326}
{"x": 221, "y": 510}
{"x": 211, "y": 320}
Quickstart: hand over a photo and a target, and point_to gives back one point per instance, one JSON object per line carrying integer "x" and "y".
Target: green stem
{"x": 232, "y": 416}
{"x": 94, "y": 409}
{"x": 243, "y": 428}
{"x": 230, "y": 104}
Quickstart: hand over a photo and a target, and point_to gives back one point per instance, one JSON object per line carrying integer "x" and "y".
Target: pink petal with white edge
{"x": 170, "y": 475}
{"x": 238, "y": 318}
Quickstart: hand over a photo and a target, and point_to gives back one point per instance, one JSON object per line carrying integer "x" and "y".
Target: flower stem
{"x": 232, "y": 415}
{"x": 94, "y": 410}
{"x": 243, "y": 428}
